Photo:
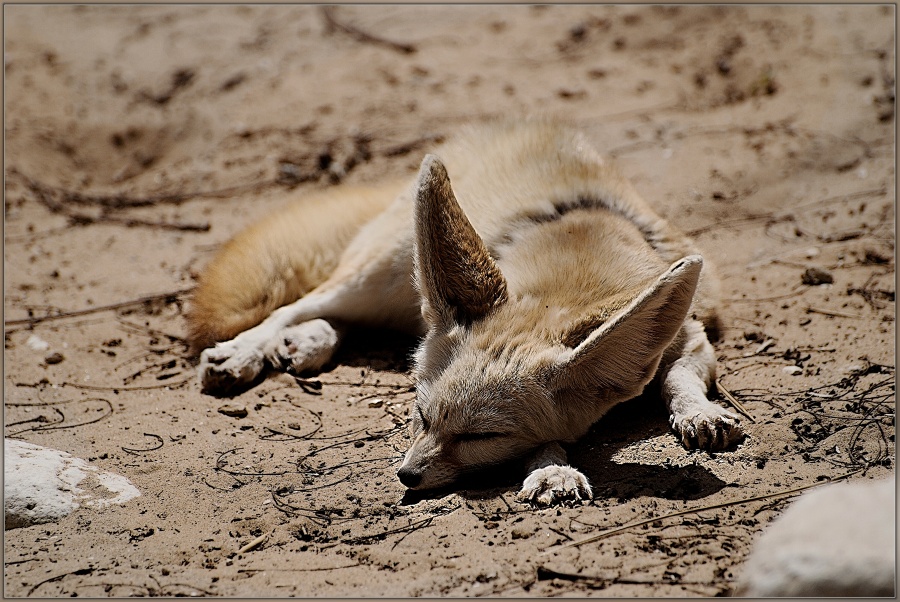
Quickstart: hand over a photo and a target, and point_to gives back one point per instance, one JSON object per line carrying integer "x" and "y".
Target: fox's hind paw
{"x": 228, "y": 366}
{"x": 555, "y": 484}
{"x": 305, "y": 347}
{"x": 714, "y": 429}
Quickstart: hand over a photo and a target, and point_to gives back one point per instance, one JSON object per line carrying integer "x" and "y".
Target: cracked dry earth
{"x": 140, "y": 138}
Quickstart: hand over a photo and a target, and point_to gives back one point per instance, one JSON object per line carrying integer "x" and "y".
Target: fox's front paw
{"x": 228, "y": 366}
{"x": 555, "y": 484}
{"x": 712, "y": 429}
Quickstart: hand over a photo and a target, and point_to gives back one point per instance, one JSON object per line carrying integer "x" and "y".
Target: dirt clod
{"x": 234, "y": 410}
{"x": 814, "y": 276}
{"x": 54, "y": 358}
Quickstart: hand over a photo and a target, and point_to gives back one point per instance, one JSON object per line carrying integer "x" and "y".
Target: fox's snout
{"x": 410, "y": 477}
{"x": 427, "y": 464}
{"x": 417, "y": 467}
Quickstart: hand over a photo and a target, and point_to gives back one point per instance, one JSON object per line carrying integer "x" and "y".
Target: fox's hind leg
{"x": 301, "y": 336}
{"x": 303, "y": 347}
{"x": 371, "y": 286}
{"x": 696, "y": 421}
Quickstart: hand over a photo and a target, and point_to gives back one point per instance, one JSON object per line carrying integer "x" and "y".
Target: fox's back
{"x": 502, "y": 171}
{"x": 562, "y": 223}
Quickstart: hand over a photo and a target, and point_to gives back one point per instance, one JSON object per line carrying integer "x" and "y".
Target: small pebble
{"x": 793, "y": 370}
{"x": 54, "y": 358}
{"x": 234, "y": 410}
{"x": 814, "y": 276}
{"x": 876, "y": 256}
{"x": 376, "y": 403}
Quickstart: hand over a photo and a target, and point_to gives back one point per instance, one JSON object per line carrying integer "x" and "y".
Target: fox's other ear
{"x": 623, "y": 353}
{"x": 457, "y": 278}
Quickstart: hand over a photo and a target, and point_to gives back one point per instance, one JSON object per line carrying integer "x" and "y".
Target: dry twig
{"x": 85, "y": 571}
{"x": 135, "y": 452}
{"x": 653, "y": 519}
{"x": 361, "y": 36}
{"x": 254, "y": 544}
{"x": 828, "y": 312}
{"x": 107, "y": 410}
{"x": 769, "y": 218}
{"x": 733, "y": 400}
{"x": 169, "y": 297}
{"x": 303, "y": 570}
{"x": 53, "y": 197}
{"x": 116, "y": 389}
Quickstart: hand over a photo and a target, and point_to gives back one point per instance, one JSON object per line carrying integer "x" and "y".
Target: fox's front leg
{"x": 551, "y": 480}
{"x": 696, "y": 421}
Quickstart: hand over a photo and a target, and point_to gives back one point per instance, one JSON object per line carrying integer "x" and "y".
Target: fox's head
{"x": 498, "y": 376}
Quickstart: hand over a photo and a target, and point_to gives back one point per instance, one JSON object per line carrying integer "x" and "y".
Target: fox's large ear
{"x": 457, "y": 278}
{"x": 623, "y": 353}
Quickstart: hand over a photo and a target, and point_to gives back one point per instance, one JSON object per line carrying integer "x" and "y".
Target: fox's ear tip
{"x": 690, "y": 260}
{"x": 432, "y": 172}
{"x": 687, "y": 264}
{"x": 430, "y": 161}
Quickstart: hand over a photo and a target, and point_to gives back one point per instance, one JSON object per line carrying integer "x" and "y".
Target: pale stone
{"x": 834, "y": 541}
{"x": 42, "y": 485}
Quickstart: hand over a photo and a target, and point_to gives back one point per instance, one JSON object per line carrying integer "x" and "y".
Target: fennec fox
{"x": 546, "y": 289}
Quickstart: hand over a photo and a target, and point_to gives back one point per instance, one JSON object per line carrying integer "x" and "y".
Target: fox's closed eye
{"x": 425, "y": 424}
{"x": 479, "y": 436}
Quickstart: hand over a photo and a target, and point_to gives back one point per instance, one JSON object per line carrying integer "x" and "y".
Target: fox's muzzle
{"x": 409, "y": 477}
{"x": 413, "y": 467}
{"x": 426, "y": 465}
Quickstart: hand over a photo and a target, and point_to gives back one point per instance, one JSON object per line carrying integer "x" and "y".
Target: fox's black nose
{"x": 410, "y": 478}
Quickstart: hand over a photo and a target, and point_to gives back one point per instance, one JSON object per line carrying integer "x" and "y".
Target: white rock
{"x": 792, "y": 370}
{"x": 36, "y": 343}
{"x": 834, "y": 541}
{"x": 42, "y": 485}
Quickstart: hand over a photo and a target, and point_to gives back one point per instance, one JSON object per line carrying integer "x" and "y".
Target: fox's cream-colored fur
{"x": 546, "y": 289}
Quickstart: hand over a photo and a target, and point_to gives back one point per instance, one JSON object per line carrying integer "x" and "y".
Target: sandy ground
{"x": 140, "y": 138}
